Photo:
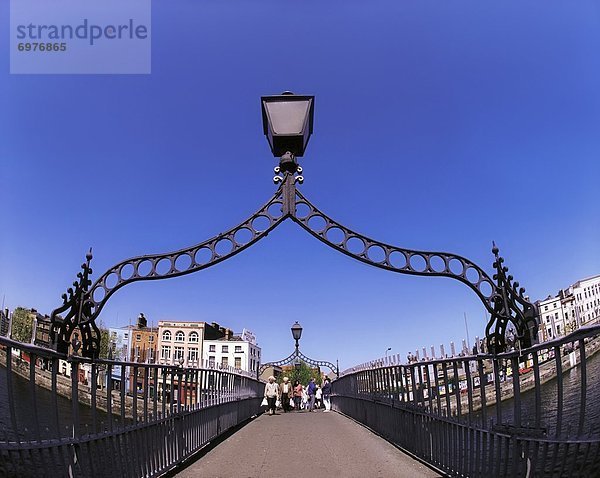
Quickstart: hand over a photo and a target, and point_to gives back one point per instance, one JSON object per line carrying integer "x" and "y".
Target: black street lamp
{"x": 296, "y": 358}
{"x": 288, "y": 122}
{"x": 296, "y": 333}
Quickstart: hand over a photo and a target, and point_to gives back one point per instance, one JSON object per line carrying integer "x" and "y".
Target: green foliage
{"x": 22, "y": 324}
{"x": 104, "y": 340}
{"x": 304, "y": 373}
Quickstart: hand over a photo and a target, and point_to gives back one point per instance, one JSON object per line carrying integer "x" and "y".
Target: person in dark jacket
{"x": 287, "y": 393}
{"x": 327, "y": 395}
{"x": 311, "y": 390}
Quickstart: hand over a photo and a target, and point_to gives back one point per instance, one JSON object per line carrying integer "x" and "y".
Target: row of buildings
{"x": 188, "y": 344}
{"x": 576, "y": 306}
{"x": 172, "y": 343}
{"x": 184, "y": 344}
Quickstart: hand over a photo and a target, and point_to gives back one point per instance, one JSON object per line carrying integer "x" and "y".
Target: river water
{"x": 571, "y": 403}
{"x": 46, "y": 416}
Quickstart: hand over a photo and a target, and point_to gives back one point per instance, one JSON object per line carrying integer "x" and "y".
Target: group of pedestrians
{"x": 297, "y": 396}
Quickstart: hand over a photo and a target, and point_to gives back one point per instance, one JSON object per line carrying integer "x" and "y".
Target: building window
{"x": 194, "y": 337}
{"x": 545, "y": 308}
{"x": 212, "y": 348}
{"x": 151, "y": 338}
{"x": 555, "y": 305}
{"x": 138, "y": 337}
{"x": 166, "y": 336}
{"x": 179, "y": 336}
{"x": 211, "y": 360}
{"x": 238, "y": 362}
{"x": 178, "y": 355}
{"x": 225, "y": 349}
{"x": 193, "y": 354}
{"x": 165, "y": 352}
{"x": 238, "y": 349}
{"x": 224, "y": 361}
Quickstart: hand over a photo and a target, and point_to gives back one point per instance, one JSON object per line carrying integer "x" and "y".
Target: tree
{"x": 104, "y": 340}
{"x": 22, "y": 324}
{"x": 304, "y": 373}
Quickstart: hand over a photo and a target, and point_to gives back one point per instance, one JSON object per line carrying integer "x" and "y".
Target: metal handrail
{"x": 160, "y": 415}
{"x": 462, "y": 414}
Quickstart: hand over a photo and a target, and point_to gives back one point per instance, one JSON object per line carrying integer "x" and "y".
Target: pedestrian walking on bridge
{"x": 271, "y": 394}
{"x": 311, "y": 390}
{"x": 287, "y": 394}
{"x": 327, "y": 394}
{"x": 298, "y": 389}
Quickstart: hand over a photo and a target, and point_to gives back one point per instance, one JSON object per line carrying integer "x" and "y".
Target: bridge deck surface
{"x": 312, "y": 444}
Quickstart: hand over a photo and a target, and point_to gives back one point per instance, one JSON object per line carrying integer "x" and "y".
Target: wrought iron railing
{"x": 530, "y": 413}
{"x": 71, "y": 416}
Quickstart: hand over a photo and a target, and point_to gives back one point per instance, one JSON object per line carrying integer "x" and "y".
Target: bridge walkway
{"x": 305, "y": 444}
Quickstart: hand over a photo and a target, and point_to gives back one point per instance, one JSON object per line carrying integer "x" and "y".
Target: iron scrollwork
{"x": 85, "y": 303}
{"x": 510, "y": 306}
{"x": 77, "y": 309}
{"x": 503, "y": 299}
{"x": 296, "y": 356}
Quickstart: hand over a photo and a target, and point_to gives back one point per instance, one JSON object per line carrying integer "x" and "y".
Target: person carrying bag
{"x": 271, "y": 394}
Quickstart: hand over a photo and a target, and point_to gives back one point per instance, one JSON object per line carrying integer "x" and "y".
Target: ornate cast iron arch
{"x": 297, "y": 355}
{"x": 502, "y": 297}
{"x": 504, "y": 300}
{"x": 84, "y": 304}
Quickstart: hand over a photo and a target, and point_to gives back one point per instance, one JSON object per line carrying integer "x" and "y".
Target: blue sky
{"x": 438, "y": 126}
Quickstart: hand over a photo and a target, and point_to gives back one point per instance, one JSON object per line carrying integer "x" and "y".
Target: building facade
{"x": 144, "y": 342}
{"x": 586, "y": 300}
{"x": 234, "y": 352}
{"x": 143, "y": 350}
{"x": 41, "y": 327}
{"x": 552, "y": 318}
{"x": 182, "y": 343}
{"x": 119, "y": 343}
{"x": 576, "y": 306}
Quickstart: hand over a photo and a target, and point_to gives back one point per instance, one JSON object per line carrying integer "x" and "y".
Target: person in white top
{"x": 318, "y": 395}
{"x": 271, "y": 394}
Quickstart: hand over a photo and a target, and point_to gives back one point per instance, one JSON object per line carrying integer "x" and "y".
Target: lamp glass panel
{"x": 287, "y": 117}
